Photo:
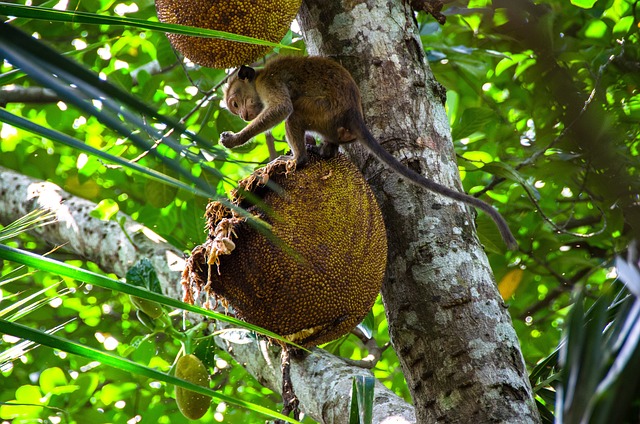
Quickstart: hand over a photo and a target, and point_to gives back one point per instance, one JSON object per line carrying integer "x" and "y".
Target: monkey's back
{"x": 320, "y": 88}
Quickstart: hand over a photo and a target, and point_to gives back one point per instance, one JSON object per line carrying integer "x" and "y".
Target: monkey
{"x": 318, "y": 95}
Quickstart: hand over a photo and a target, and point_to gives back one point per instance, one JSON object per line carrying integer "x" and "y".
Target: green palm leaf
{"x": 56, "y": 342}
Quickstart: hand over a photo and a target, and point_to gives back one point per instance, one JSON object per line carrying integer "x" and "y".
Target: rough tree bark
{"x": 321, "y": 380}
{"x": 449, "y": 326}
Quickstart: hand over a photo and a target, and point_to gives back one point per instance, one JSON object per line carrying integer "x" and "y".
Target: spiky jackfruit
{"x": 263, "y": 19}
{"x": 320, "y": 272}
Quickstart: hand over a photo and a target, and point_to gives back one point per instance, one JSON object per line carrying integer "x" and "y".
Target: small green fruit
{"x": 192, "y": 405}
{"x": 148, "y": 307}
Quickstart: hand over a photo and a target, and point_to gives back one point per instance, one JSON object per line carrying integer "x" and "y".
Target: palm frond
{"x": 47, "y": 339}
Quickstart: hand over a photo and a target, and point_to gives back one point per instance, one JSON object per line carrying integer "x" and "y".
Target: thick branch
{"x": 321, "y": 380}
{"x": 432, "y": 7}
{"x": 19, "y": 94}
{"x": 40, "y": 95}
{"x": 113, "y": 248}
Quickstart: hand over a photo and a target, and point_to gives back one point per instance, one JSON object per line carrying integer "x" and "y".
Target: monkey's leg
{"x": 345, "y": 135}
{"x": 271, "y": 145}
{"x": 330, "y": 145}
{"x": 295, "y": 137}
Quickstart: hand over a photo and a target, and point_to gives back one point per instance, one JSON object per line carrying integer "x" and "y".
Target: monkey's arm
{"x": 276, "y": 110}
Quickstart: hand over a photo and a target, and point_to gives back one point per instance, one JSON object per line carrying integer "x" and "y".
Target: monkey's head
{"x": 241, "y": 96}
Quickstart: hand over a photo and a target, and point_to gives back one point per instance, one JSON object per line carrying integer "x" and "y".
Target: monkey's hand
{"x": 229, "y": 139}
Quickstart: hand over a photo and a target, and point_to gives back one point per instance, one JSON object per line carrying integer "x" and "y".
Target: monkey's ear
{"x": 246, "y": 73}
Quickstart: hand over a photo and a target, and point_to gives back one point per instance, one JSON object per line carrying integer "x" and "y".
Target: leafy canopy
{"x": 544, "y": 104}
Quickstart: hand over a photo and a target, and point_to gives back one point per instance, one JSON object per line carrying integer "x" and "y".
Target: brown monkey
{"x": 318, "y": 95}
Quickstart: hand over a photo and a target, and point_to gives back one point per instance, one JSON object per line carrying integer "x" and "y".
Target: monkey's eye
{"x": 234, "y": 105}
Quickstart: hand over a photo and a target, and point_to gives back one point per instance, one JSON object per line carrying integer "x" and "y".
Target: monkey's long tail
{"x": 388, "y": 159}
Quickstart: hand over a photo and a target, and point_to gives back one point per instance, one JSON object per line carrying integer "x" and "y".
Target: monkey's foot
{"x": 314, "y": 149}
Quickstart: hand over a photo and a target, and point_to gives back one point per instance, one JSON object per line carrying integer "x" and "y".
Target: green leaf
{"x": 87, "y": 383}
{"x": 77, "y": 86}
{"x": 52, "y": 378}
{"x": 489, "y": 235}
{"x": 143, "y": 274}
{"x": 471, "y": 121}
{"x": 508, "y": 172}
{"x": 57, "y": 136}
{"x": 601, "y": 357}
{"x": 111, "y": 393}
{"x": 145, "y": 350}
{"x": 585, "y": 4}
{"x": 354, "y": 410}
{"x": 28, "y": 394}
{"x": 477, "y": 157}
{"x": 31, "y": 394}
{"x": 159, "y": 195}
{"x": 546, "y": 415}
{"x": 596, "y": 29}
{"x": 105, "y": 209}
{"x": 11, "y": 410}
{"x": 623, "y": 26}
{"x": 361, "y": 411}
{"x": 367, "y": 326}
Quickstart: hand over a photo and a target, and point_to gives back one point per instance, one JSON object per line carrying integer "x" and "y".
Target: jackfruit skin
{"x": 328, "y": 215}
{"x": 263, "y": 19}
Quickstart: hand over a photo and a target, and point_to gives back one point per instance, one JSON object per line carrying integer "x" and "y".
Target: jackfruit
{"x": 192, "y": 405}
{"x": 319, "y": 273}
{"x": 263, "y": 19}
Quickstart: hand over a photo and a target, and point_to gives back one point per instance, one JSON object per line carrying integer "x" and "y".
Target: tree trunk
{"x": 447, "y": 322}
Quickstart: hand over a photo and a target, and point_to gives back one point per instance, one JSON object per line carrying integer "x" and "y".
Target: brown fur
{"x": 318, "y": 95}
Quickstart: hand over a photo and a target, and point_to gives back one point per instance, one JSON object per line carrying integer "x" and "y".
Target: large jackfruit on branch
{"x": 263, "y": 19}
{"x": 319, "y": 274}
